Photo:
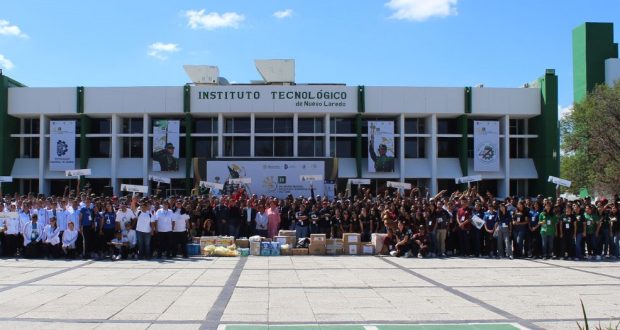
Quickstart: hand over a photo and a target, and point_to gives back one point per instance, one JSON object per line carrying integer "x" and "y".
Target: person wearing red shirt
{"x": 463, "y": 219}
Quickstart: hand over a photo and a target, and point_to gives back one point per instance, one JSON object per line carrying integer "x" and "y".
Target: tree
{"x": 591, "y": 141}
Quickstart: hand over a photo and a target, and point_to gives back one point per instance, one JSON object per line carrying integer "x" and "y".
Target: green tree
{"x": 591, "y": 141}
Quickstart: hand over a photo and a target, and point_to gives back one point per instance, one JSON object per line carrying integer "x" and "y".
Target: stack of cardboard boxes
{"x": 317, "y": 244}
{"x": 333, "y": 246}
{"x": 352, "y": 243}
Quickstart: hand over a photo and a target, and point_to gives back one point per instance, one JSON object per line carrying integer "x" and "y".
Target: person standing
{"x": 163, "y": 219}
{"x": 262, "y": 222}
{"x": 248, "y": 219}
{"x": 504, "y": 246}
{"x": 520, "y": 219}
{"x": 107, "y": 227}
{"x": 301, "y": 223}
{"x": 567, "y": 230}
{"x": 463, "y": 219}
{"x": 490, "y": 227}
{"x": 145, "y": 228}
{"x": 592, "y": 220}
{"x": 180, "y": 227}
{"x": 33, "y": 233}
{"x": 548, "y": 221}
{"x": 222, "y": 214}
{"x": 11, "y": 233}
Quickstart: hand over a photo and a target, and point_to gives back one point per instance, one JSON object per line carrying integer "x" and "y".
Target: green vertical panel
{"x": 189, "y": 151}
{"x": 9, "y": 147}
{"x": 463, "y": 143}
{"x": 361, "y": 108}
{"x": 546, "y": 148}
{"x": 593, "y": 43}
{"x": 467, "y": 99}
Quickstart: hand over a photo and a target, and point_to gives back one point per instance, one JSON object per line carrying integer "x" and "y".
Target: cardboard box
{"x": 318, "y": 238}
{"x": 243, "y": 243}
{"x": 377, "y": 241}
{"x": 352, "y": 249}
{"x": 317, "y": 249}
{"x": 225, "y": 241}
{"x": 368, "y": 249}
{"x": 333, "y": 246}
{"x": 255, "y": 248}
{"x": 351, "y": 238}
{"x": 285, "y": 250}
{"x": 287, "y": 233}
{"x": 290, "y": 240}
{"x": 299, "y": 251}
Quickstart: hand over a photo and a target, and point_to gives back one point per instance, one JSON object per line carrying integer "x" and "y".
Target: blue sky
{"x": 376, "y": 43}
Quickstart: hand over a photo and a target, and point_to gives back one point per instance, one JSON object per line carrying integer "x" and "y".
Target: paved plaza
{"x": 348, "y": 292}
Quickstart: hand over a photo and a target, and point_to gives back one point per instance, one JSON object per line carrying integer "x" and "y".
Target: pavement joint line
{"x": 467, "y": 297}
{"x": 214, "y": 316}
{"x": 42, "y": 277}
{"x": 576, "y": 269}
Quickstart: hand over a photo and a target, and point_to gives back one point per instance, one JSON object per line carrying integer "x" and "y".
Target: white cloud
{"x": 197, "y": 19}
{"x": 283, "y": 13}
{"x": 160, "y": 50}
{"x": 564, "y": 111}
{"x": 421, "y": 10}
{"x": 6, "y": 29}
{"x": 6, "y": 63}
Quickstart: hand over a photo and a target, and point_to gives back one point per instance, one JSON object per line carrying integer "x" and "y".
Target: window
{"x": 517, "y": 148}
{"x": 133, "y": 126}
{"x": 366, "y": 120}
{"x": 414, "y": 125}
{"x": 205, "y": 147}
{"x": 205, "y": 125}
{"x": 279, "y": 146}
{"x": 342, "y": 125}
{"x": 273, "y": 125}
{"x": 100, "y": 126}
{"x": 447, "y": 126}
{"x": 237, "y": 125}
{"x": 342, "y": 147}
{"x": 132, "y": 147}
{"x": 310, "y": 125}
{"x": 236, "y": 146}
{"x": 31, "y": 126}
{"x": 99, "y": 147}
{"x": 448, "y": 147}
{"x": 31, "y": 147}
{"x": 517, "y": 126}
{"x": 415, "y": 147}
{"x": 310, "y": 146}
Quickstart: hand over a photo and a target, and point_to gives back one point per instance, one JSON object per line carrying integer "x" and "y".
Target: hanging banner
{"x": 160, "y": 179}
{"x": 62, "y": 145}
{"x": 270, "y": 178}
{"x": 134, "y": 188}
{"x": 166, "y": 145}
{"x": 486, "y": 146}
{"x": 399, "y": 185}
{"x": 380, "y": 146}
{"x": 74, "y": 173}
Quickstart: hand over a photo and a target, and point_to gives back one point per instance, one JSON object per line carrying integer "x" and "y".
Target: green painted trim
{"x": 189, "y": 151}
{"x": 85, "y": 127}
{"x": 468, "y": 100}
{"x": 463, "y": 143}
{"x": 80, "y": 100}
{"x": 358, "y": 144}
{"x": 9, "y": 147}
{"x": 361, "y": 99}
{"x": 187, "y": 98}
{"x": 545, "y": 150}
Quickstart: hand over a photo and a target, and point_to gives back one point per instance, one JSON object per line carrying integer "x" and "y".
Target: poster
{"x": 166, "y": 145}
{"x": 62, "y": 145}
{"x": 270, "y": 178}
{"x": 380, "y": 146}
{"x": 486, "y": 146}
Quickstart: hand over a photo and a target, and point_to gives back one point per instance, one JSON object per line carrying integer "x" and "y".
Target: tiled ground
{"x": 209, "y": 292}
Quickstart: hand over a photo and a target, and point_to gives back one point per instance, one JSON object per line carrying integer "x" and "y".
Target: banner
{"x": 62, "y": 145}
{"x": 74, "y": 173}
{"x": 160, "y": 179}
{"x": 468, "y": 179}
{"x": 399, "y": 185}
{"x": 380, "y": 146}
{"x": 486, "y": 146}
{"x": 134, "y": 188}
{"x": 270, "y": 178}
{"x": 166, "y": 145}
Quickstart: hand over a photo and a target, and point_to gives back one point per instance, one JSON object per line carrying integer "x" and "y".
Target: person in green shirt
{"x": 548, "y": 221}
{"x": 592, "y": 219}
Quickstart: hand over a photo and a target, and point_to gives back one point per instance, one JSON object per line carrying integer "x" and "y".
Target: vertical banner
{"x": 62, "y": 145}
{"x": 166, "y": 145}
{"x": 380, "y": 146}
{"x": 486, "y": 146}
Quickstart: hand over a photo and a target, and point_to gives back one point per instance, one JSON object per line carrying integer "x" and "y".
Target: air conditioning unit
{"x": 203, "y": 74}
{"x": 276, "y": 71}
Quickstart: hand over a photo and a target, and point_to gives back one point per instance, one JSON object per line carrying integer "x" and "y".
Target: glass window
{"x": 447, "y": 126}
{"x": 310, "y": 146}
{"x": 310, "y": 125}
{"x": 342, "y": 147}
{"x": 205, "y": 125}
{"x": 205, "y": 147}
{"x": 517, "y": 126}
{"x": 273, "y": 146}
{"x": 283, "y": 125}
{"x": 263, "y": 146}
{"x": 31, "y": 126}
{"x": 263, "y": 125}
{"x": 415, "y": 147}
{"x": 133, "y": 126}
{"x": 132, "y": 147}
{"x": 236, "y": 146}
{"x": 414, "y": 125}
{"x": 517, "y": 148}
{"x": 31, "y": 147}
{"x": 342, "y": 125}
{"x": 99, "y": 147}
{"x": 100, "y": 126}
{"x": 237, "y": 125}
{"x": 283, "y": 146}
{"x": 448, "y": 147}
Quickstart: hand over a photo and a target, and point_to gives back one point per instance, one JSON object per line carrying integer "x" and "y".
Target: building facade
{"x": 432, "y": 130}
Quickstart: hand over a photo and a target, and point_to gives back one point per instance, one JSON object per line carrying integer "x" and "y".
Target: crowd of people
{"x": 465, "y": 224}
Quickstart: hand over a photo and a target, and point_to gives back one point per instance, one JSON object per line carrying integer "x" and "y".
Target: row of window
{"x": 279, "y": 146}
{"x": 279, "y": 125}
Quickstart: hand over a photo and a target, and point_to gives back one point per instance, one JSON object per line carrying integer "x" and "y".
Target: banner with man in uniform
{"x": 380, "y": 136}
{"x": 166, "y": 145}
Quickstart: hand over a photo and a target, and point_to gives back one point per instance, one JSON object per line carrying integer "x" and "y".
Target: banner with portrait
{"x": 165, "y": 156}
{"x": 380, "y": 146}
{"x": 486, "y": 146}
{"x": 62, "y": 145}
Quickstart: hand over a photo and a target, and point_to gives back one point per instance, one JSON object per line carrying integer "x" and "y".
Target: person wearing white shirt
{"x": 130, "y": 233}
{"x": 24, "y": 218}
{"x": 145, "y": 228}
{"x": 33, "y": 234}
{"x": 179, "y": 228}
{"x": 12, "y": 230}
{"x": 123, "y": 216}
{"x": 69, "y": 238}
{"x": 62, "y": 217}
{"x": 51, "y": 239}
{"x": 164, "y": 216}
{"x": 261, "y": 221}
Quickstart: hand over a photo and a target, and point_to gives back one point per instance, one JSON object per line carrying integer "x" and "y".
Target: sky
{"x": 439, "y": 43}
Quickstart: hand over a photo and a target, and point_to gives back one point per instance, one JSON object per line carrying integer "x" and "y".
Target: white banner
{"x": 62, "y": 145}
{"x": 9, "y": 215}
{"x": 166, "y": 145}
{"x": 359, "y": 181}
{"x": 81, "y": 172}
{"x": 134, "y": 188}
{"x": 240, "y": 180}
{"x": 159, "y": 179}
{"x": 468, "y": 179}
{"x": 303, "y": 178}
{"x": 559, "y": 182}
{"x": 380, "y": 146}
{"x": 477, "y": 221}
{"x": 399, "y": 185}
{"x": 212, "y": 185}
{"x": 6, "y": 179}
{"x": 486, "y": 146}
{"x": 271, "y": 178}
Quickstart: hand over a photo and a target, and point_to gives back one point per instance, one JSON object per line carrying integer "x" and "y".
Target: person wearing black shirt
{"x": 222, "y": 214}
{"x": 403, "y": 246}
{"x": 520, "y": 220}
{"x": 420, "y": 243}
{"x": 567, "y": 229}
{"x": 301, "y": 222}
{"x": 579, "y": 233}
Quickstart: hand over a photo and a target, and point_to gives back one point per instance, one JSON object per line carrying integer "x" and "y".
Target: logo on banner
{"x": 486, "y": 152}
{"x": 61, "y": 148}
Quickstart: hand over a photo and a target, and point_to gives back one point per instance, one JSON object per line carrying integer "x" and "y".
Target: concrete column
{"x": 220, "y": 135}
{"x": 43, "y": 153}
{"x": 252, "y": 129}
{"x": 115, "y": 152}
{"x": 433, "y": 152}
{"x": 295, "y": 134}
{"x": 401, "y": 146}
{"x": 504, "y": 188}
{"x": 146, "y": 150}
{"x": 327, "y": 126}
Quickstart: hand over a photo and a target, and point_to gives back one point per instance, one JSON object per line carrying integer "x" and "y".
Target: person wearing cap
{"x": 382, "y": 162}
{"x": 165, "y": 158}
